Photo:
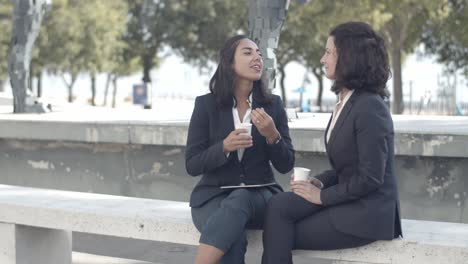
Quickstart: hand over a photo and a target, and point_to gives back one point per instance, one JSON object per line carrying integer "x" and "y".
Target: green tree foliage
{"x": 399, "y": 21}
{"x": 448, "y": 38}
{"x": 306, "y": 31}
{"x": 103, "y": 22}
{"x": 125, "y": 62}
{"x": 120, "y": 37}
{"x": 5, "y": 25}
{"x": 202, "y": 27}
{"x": 81, "y": 36}
{"x": 149, "y": 25}
{"x": 58, "y": 47}
{"x": 402, "y": 31}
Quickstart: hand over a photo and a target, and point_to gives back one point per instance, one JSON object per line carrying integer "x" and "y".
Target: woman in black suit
{"x": 356, "y": 202}
{"x": 226, "y": 156}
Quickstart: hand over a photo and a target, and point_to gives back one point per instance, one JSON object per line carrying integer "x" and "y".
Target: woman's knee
{"x": 200, "y": 215}
{"x": 280, "y": 203}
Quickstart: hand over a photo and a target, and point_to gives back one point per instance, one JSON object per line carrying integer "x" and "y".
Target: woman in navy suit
{"x": 356, "y": 202}
{"x": 226, "y": 156}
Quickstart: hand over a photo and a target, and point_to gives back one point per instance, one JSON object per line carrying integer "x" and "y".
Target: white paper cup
{"x": 246, "y": 126}
{"x": 301, "y": 174}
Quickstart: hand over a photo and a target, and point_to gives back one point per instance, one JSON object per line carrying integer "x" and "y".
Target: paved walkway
{"x": 124, "y": 249}
{"x": 83, "y": 258}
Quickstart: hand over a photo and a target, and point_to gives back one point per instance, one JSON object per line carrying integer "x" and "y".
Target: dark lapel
{"x": 342, "y": 118}
{"x": 326, "y": 131}
{"x": 226, "y": 121}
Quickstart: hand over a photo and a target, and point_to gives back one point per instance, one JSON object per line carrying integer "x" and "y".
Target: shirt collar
{"x": 346, "y": 98}
{"x": 249, "y": 101}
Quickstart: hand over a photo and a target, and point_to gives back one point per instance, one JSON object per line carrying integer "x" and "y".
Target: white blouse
{"x": 336, "y": 113}
{"x": 237, "y": 121}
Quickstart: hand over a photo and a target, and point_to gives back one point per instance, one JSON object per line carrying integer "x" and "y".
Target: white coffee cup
{"x": 301, "y": 174}
{"x": 246, "y": 126}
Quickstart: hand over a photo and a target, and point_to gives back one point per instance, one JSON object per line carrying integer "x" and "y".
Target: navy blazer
{"x": 361, "y": 189}
{"x": 204, "y": 155}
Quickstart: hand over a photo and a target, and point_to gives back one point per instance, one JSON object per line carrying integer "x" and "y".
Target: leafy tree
{"x": 402, "y": 31}
{"x": 81, "y": 37}
{"x": 149, "y": 25}
{"x": 102, "y": 23}
{"x": 59, "y": 47}
{"x": 125, "y": 62}
{"x": 302, "y": 40}
{"x": 5, "y": 25}
{"x": 400, "y": 21}
{"x": 306, "y": 31}
{"x": 202, "y": 27}
{"x": 448, "y": 38}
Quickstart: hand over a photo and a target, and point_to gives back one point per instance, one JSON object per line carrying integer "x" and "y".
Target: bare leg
{"x": 208, "y": 254}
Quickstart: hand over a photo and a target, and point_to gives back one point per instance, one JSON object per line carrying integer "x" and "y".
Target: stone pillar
{"x": 27, "y": 245}
{"x": 266, "y": 18}
{"x": 27, "y": 18}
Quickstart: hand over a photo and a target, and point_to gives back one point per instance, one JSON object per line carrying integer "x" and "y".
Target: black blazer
{"x": 204, "y": 155}
{"x": 361, "y": 190}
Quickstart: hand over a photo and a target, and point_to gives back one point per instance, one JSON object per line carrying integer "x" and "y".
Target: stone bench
{"x": 36, "y": 226}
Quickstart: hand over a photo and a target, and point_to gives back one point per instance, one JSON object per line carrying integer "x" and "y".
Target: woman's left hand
{"x": 265, "y": 124}
{"x": 307, "y": 191}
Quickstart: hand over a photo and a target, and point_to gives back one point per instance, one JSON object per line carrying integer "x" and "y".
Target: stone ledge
{"x": 169, "y": 221}
{"x": 436, "y": 143}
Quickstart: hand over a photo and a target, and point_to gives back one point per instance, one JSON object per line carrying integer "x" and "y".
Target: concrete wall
{"x": 147, "y": 160}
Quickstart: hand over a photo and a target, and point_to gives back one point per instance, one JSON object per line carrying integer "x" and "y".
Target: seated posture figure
{"x": 356, "y": 202}
{"x": 227, "y": 156}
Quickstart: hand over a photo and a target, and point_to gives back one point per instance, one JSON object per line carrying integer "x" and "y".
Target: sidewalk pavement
{"x": 83, "y": 258}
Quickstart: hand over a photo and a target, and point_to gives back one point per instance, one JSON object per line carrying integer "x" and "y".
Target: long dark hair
{"x": 222, "y": 84}
{"x": 362, "y": 59}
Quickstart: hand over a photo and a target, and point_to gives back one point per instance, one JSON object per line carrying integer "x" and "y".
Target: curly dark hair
{"x": 362, "y": 59}
{"x": 222, "y": 83}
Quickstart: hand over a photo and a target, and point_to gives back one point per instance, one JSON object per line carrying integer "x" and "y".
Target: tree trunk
{"x": 396, "y": 31}
{"x": 30, "y": 79}
{"x": 39, "y": 84}
{"x": 106, "y": 91}
{"x": 70, "y": 86}
{"x": 318, "y": 73}
{"x": 27, "y": 18}
{"x": 93, "y": 89}
{"x": 397, "y": 80}
{"x": 2, "y": 85}
{"x": 114, "y": 92}
{"x": 147, "y": 66}
{"x": 282, "y": 85}
{"x": 70, "y": 94}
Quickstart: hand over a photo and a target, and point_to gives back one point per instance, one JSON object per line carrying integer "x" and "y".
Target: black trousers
{"x": 291, "y": 222}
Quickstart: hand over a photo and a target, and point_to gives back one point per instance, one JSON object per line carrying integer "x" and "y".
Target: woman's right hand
{"x": 237, "y": 139}
{"x": 316, "y": 182}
